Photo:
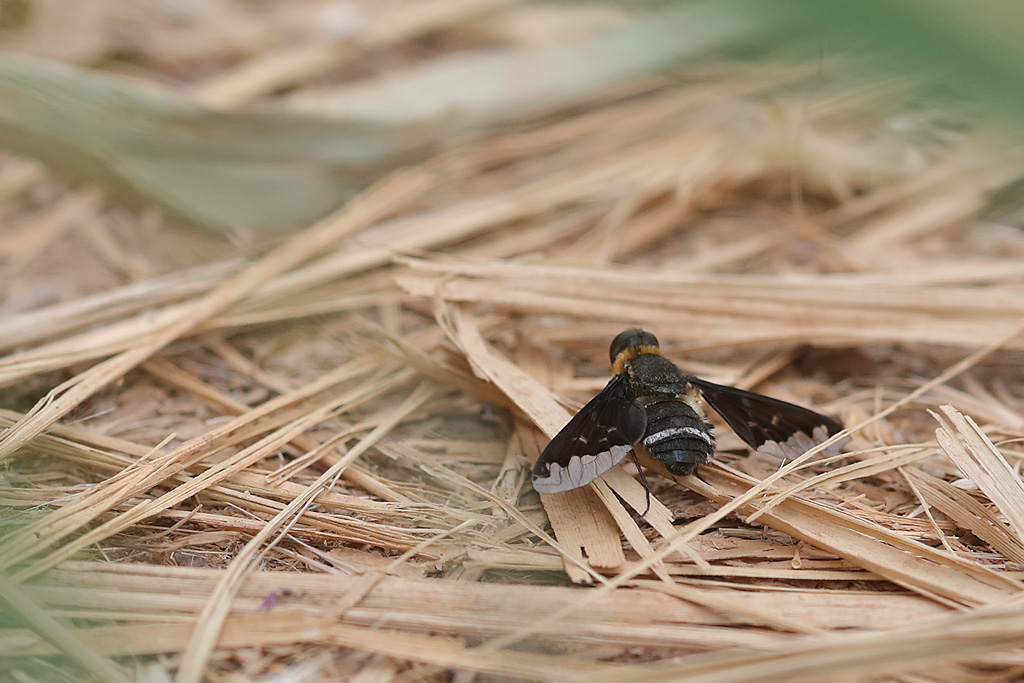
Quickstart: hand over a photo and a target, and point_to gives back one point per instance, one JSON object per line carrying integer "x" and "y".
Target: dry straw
{"x": 313, "y": 463}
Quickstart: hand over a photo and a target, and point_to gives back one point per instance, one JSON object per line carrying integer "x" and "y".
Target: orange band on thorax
{"x": 630, "y": 353}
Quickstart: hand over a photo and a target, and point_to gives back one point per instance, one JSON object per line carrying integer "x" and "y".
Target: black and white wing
{"x": 594, "y": 441}
{"x": 765, "y": 423}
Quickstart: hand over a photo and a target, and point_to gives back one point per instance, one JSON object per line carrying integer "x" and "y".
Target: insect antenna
{"x": 643, "y": 480}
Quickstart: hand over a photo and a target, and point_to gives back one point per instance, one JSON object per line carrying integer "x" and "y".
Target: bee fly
{"x": 651, "y": 403}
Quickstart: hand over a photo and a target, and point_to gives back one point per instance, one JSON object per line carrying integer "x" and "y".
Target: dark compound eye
{"x": 629, "y": 338}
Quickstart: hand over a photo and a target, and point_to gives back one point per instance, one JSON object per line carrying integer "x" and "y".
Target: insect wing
{"x": 767, "y": 423}
{"x": 595, "y": 440}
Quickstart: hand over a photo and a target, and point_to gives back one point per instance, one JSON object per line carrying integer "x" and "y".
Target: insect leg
{"x": 643, "y": 480}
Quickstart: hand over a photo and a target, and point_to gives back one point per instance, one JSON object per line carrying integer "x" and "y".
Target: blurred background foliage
{"x": 277, "y": 140}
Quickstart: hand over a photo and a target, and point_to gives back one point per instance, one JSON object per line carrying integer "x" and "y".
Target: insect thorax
{"x": 678, "y": 434}
{"x": 651, "y": 374}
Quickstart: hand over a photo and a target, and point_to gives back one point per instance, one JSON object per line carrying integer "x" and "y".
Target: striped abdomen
{"x": 678, "y": 434}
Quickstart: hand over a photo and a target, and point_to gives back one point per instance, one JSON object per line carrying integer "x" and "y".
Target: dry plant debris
{"x": 311, "y": 462}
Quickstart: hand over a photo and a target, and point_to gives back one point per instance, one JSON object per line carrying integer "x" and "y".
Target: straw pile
{"x": 312, "y": 463}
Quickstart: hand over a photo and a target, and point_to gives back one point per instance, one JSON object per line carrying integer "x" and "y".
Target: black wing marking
{"x": 596, "y": 439}
{"x": 765, "y": 422}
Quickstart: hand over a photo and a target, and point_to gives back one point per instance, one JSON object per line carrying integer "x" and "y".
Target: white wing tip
{"x": 580, "y": 471}
{"x": 800, "y": 443}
